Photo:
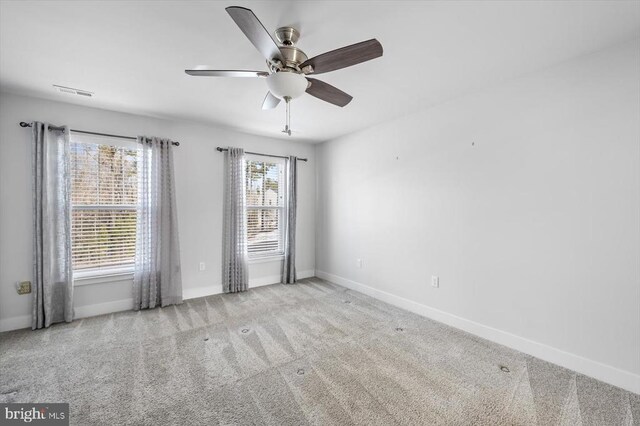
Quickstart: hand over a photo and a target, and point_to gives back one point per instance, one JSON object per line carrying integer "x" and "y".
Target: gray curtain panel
{"x": 52, "y": 271}
{"x": 157, "y": 279}
{"x": 289, "y": 268}
{"x": 235, "y": 273}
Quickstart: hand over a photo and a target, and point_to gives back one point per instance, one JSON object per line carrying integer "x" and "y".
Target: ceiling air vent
{"x": 72, "y": 91}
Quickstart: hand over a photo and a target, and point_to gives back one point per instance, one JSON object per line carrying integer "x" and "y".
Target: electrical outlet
{"x": 359, "y": 263}
{"x": 435, "y": 281}
{"x": 202, "y": 266}
{"x": 24, "y": 287}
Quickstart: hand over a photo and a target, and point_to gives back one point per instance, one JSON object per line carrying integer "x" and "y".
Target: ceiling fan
{"x": 289, "y": 66}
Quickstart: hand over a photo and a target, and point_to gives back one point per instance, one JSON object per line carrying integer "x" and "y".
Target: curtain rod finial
{"x": 23, "y": 124}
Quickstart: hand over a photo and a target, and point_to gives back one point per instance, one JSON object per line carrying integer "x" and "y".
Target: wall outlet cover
{"x": 435, "y": 281}
{"x": 24, "y": 287}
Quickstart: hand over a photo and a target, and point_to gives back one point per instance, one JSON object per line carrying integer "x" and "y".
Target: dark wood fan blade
{"x": 255, "y": 31}
{"x": 206, "y": 72}
{"x": 344, "y": 57}
{"x": 328, "y": 93}
{"x": 270, "y": 101}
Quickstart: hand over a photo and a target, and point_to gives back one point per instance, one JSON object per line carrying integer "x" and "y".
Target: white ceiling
{"x": 132, "y": 54}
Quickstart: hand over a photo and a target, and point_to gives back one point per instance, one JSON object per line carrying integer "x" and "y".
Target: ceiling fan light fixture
{"x": 287, "y": 84}
{"x": 288, "y": 65}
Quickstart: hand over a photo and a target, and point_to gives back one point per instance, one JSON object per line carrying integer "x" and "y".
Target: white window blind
{"x": 265, "y": 206}
{"x": 104, "y": 190}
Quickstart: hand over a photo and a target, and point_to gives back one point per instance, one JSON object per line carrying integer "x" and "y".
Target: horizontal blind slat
{"x": 264, "y": 185}
{"x": 104, "y": 194}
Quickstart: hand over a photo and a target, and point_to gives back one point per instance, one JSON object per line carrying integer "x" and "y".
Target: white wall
{"x": 199, "y": 202}
{"x": 524, "y": 199}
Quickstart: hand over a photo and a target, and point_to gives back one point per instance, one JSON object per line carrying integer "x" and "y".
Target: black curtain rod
{"x": 23, "y": 124}
{"x": 257, "y": 153}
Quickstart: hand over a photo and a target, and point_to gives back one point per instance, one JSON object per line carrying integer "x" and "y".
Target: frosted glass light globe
{"x": 286, "y": 84}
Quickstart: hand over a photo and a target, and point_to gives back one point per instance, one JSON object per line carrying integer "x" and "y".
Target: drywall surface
{"x": 523, "y": 198}
{"x": 199, "y": 173}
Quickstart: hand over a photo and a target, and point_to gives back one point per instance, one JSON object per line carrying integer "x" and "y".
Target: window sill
{"x": 101, "y": 276}
{"x": 266, "y": 259}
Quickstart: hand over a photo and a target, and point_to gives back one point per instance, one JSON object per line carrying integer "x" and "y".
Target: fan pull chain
{"x": 287, "y": 126}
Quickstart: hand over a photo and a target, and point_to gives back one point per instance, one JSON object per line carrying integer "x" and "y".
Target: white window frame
{"x": 105, "y": 274}
{"x": 272, "y": 255}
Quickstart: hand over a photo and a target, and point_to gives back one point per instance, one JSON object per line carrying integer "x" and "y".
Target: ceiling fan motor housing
{"x": 287, "y": 36}
{"x": 292, "y": 56}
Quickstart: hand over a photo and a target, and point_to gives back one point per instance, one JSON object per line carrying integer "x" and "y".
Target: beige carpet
{"x": 312, "y": 353}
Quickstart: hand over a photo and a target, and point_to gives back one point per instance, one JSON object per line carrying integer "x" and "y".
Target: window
{"x": 104, "y": 190}
{"x": 265, "y": 206}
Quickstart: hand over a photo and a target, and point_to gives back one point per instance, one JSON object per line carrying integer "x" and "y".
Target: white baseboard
{"x": 275, "y": 279}
{"x": 102, "y": 308}
{"x": 268, "y": 280}
{"x": 606, "y": 373}
{"x": 24, "y": 321}
{"x": 15, "y": 323}
{"x": 193, "y": 293}
{"x": 309, "y": 273}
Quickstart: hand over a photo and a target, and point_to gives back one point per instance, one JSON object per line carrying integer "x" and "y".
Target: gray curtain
{"x": 157, "y": 279}
{"x": 235, "y": 274}
{"x": 52, "y": 272}
{"x": 289, "y": 268}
